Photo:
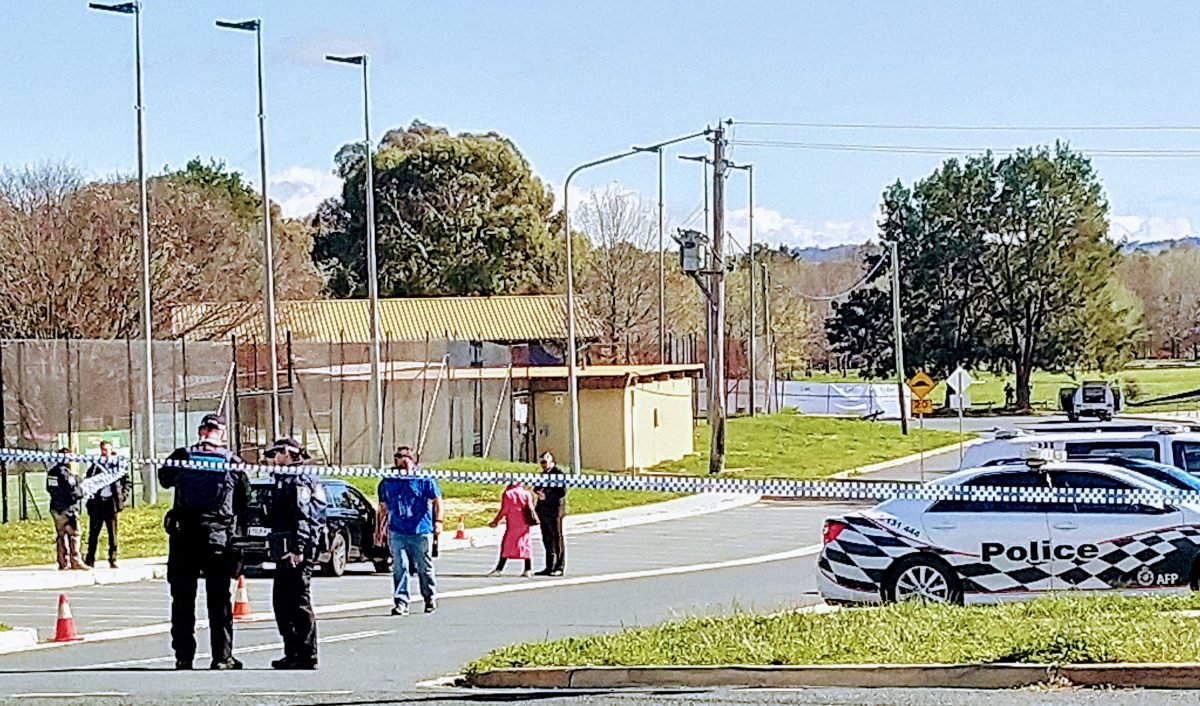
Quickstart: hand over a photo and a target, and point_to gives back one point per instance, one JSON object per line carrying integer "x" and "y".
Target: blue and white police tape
{"x": 793, "y": 489}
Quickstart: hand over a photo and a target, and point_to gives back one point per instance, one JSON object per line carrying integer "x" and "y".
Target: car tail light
{"x": 831, "y": 530}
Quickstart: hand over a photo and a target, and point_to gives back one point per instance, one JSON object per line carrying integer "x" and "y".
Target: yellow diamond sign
{"x": 921, "y": 385}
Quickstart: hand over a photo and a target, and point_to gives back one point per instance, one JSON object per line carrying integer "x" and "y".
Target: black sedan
{"x": 351, "y": 520}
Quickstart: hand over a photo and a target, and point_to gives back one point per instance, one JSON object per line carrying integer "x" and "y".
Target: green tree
{"x": 1006, "y": 263}
{"x": 1048, "y": 263}
{"x": 938, "y": 230}
{"x": 455, "y": 215}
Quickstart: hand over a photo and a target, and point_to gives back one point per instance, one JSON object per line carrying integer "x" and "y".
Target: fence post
{"x": 3, "y": 444}
{"x": 24, "y": 500}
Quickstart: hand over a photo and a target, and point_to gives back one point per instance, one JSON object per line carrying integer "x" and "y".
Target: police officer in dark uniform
{"x": 208, "y": 499}
{"x": 297, "y": 518}
{"x": 63, "y": 488}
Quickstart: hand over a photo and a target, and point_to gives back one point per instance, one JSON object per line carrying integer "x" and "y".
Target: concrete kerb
{"x": 945, "y": 676}
{"x": 17, "y": 640}
{"x": 50, "y": 578}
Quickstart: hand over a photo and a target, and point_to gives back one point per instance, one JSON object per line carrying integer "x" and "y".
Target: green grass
{"x": 1145, "y": 380}
{"x": 1059, "y": 629}
{"x": 32, "y": 541}
{"x": 4, "y": 627}
{"x": 789, "y": 445}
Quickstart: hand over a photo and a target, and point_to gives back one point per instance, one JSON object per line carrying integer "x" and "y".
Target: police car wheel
{"x": 919, "y": 578}
{"x": 339, "y": 555}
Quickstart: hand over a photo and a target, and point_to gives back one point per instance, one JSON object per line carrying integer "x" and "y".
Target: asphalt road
{"x": 625, "y": 577}
{"x": 759, "y": 557}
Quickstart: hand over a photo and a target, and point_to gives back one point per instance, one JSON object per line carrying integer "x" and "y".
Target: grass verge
{"x": 1058, "y": 629}
{"x": 790, "y": 445}
{"x": 32, "y": 541}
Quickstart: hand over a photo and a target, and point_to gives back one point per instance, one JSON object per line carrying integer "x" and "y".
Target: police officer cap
{"x": 215, "y": 421}
{"x": 289, "y": 445}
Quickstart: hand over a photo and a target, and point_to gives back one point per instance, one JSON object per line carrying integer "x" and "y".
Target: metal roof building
{"x": 501, "y": 319}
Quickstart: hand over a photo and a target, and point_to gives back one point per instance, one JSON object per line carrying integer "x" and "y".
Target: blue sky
{"x": 572, "y": 81}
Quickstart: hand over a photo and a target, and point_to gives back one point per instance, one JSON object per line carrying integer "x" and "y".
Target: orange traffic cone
{"x": 462, "y": 529}
{"x": 241, "y": 602}
{"x": 64, "y": 627}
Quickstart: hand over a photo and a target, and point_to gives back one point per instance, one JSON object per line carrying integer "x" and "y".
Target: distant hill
{"x": 830, "y": 254}
{"x": 1156, "y": 246}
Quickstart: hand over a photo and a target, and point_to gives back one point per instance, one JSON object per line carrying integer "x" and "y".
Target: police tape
{"x": 780, "y": 488}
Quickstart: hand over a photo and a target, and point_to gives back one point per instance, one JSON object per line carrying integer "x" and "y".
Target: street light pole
{"x": 708, "y": 328}
{"x": 897, "y": 332}
{"x": 749, "y": 169}
{"x": 150, "y": 489}
{"x": 572, "y": 347}
{"x": 268, "y": 242}
{"x": 662, "y": 267}
{"x": 375, "y": 394}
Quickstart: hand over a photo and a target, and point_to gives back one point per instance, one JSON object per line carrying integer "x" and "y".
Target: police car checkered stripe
{"x": 796, "y": 489}
{"x": 861, "y": 554}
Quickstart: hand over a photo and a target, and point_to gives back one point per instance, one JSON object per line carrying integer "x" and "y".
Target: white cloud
{"x": 299, "y": 190}
{"x": 1141, "y": 229}
{"x": 310, "y": 49}
{"x": 771, "y": 226}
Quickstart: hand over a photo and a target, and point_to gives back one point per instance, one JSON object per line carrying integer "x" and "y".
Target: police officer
{"x": 63, "y": 488}
{"x": 208, "y": 499}
{"x": 297, "y": 518}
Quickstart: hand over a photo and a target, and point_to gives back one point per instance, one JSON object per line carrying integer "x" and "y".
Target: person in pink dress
{"x": 516, "y": 509}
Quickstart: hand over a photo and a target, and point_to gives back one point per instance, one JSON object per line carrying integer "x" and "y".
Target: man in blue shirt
{"x": 410, "y": 515}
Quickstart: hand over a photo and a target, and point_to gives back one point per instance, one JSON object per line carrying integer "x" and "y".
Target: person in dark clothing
{"x": 296, "y": 515}
{"x": 209, "y": 497}
{"x": 63, "y": 489}
{"x": 551, "y": 509}
{"x": 104, "y": 506}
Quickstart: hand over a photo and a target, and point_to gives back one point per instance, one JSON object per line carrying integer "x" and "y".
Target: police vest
{"x": 208, "y": 487}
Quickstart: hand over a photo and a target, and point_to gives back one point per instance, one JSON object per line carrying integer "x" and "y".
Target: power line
{"x": 948, "y": 150}
{"x": 973, "y": 128}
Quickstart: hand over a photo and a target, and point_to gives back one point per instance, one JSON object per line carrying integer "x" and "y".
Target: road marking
{"x": 162, "y": 628}
{"x": 295, "y": 693}
{"x": 252, "y": 649}
{"x": 68, "y": 694}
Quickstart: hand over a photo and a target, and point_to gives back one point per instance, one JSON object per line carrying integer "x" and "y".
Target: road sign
{"x": 921, "y": 405}
{"x": 960, "y": 379}
{"x": 921, "y": 385}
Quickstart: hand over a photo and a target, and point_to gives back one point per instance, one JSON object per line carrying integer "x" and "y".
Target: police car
{"x": 982, "y": 551}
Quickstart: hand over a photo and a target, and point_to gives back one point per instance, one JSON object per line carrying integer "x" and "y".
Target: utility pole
{"x": 897, "y": 335}
{"x": 716, "y": 279}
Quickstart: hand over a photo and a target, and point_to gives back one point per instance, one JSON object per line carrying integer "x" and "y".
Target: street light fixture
{"x": 135, "y": 8}
{"x": 375, "y": 394}
{"x": 749, "y": 169}
{"x": 268, "y": 242}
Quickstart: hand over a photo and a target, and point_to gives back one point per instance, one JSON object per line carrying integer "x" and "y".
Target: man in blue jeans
{"x": 410, "y": 516}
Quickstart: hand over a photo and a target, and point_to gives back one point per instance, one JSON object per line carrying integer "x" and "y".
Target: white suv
{"x": 1169, "y": 444}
